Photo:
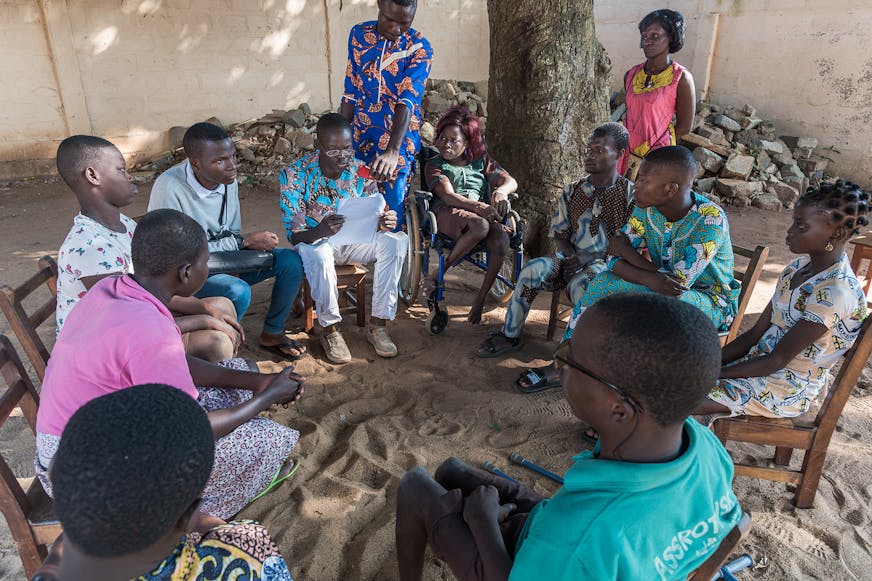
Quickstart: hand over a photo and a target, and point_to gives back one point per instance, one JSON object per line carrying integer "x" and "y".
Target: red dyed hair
{"x": 468, "y": 123}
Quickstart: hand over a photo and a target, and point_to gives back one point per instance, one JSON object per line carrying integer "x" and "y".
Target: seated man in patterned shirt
{"x": 311, "y": 189}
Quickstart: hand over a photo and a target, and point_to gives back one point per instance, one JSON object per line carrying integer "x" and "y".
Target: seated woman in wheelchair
{"x": 471, "y": 195}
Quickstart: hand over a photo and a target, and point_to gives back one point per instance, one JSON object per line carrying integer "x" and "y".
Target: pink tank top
{"x": 650, "y": 112}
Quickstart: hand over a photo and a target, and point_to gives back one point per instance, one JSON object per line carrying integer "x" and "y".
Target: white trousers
{"x": 320, "y": 260}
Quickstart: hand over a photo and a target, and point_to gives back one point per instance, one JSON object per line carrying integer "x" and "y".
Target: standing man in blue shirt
{"x": 388, "y": 66}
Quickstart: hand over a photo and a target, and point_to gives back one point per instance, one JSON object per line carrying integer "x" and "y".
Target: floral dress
{"x": 834, "y": 298}
{"x": 696, "y": 250}
{"x": 236, "y": 550}
{"x": 90, "y": 249}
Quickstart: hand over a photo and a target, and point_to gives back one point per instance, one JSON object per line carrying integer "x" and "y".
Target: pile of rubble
{"x": 743, "y": 162}
{"x": 442, "y": 94}
{"x": 264, "y": 146}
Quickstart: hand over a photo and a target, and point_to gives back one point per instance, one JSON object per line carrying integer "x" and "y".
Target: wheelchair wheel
{"x": 500, "y": 291}
{"x": 410, "y": 279}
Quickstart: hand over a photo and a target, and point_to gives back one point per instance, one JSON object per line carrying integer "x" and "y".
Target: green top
{"x": 626, "y": 520}
{"x": 473, "y": 180}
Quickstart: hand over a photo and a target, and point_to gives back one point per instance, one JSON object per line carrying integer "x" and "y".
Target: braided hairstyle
{"x": 671, "y": 21}
{"x": 845, "y": 201}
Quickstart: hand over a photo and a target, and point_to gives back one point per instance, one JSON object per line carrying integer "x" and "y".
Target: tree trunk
{"x": 548, "y": 88}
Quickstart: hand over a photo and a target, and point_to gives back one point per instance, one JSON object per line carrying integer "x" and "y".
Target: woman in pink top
{"x": 659, "y": 92}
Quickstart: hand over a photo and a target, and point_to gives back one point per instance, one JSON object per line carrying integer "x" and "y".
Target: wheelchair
{"x": 424, "y": 235}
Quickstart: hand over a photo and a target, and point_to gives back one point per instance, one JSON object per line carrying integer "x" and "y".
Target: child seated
{"x": 128, "y": 476}
{"x": 687, "y": 238}
{"x": 780, "y": 366}
{"x": 588, "y": 214}
{"x": 616, "y": 516}
{"x": 311, "y": 189}
{"x": 99, "y": 245}
{"x": 472, "y": 196}
{"x": 122, "y": 334}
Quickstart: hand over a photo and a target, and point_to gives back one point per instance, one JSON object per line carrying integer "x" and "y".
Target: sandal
{"x": 280, "y": 349}
{"x": 489, "y": 348}
{"x": 536, "y": 381}
{"x": 289, "y": 468}
{"x": 590, "y": 436}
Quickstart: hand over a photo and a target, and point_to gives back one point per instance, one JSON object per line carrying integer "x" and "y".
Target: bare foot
{"x": 474, "y": 315}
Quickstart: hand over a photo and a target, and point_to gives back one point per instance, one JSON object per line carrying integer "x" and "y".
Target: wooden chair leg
{"x": 361, "y": 302}
{"x": 309, "y": 307}
{"x": 782, "y": 455}
{"x": 812, "y": 466}
{"x": 552, "y": 317}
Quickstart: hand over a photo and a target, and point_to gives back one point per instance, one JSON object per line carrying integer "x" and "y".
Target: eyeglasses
{"x": 562, "y": 358}
{"x": 347, "y": 153}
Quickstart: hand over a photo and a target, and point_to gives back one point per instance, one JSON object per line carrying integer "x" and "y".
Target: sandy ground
{"x": 365, "y": 423}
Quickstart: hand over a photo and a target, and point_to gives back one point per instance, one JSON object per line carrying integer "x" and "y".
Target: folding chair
{"x": 23, "y": 325}
{"x": 802, "y": 433}
{"x": 28, "y": 513}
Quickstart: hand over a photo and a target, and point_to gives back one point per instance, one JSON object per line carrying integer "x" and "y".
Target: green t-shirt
{"x": 627, "y": 520}
{"x": 473, "y": 180}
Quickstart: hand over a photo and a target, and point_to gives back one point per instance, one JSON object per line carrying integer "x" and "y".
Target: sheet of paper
{"x": 361, "y": 220}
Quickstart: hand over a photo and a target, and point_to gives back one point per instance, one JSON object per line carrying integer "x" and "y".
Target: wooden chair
{"x": 28, "y": 513}
{"x": 348, "y": 277}
{"x": 713, "y": 564}
{"x": 747, "y": 276}
{"x": 802, "y": 433}
{"x": 23, "y": 325}
{"x": 863, "y": 251}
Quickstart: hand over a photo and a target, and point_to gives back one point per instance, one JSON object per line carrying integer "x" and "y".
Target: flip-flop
{"x": 489, "y": 348}
{"x": 537, "y": 382}
{"x": 277, "y": 479}
{"x": 287, "y": 344}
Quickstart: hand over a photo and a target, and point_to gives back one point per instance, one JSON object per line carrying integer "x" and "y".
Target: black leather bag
{"x": 239, "y": 261}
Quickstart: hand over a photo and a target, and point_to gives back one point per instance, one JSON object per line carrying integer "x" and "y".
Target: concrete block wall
{"x": 130, "y": 71}
{"x": 804, "y": 64}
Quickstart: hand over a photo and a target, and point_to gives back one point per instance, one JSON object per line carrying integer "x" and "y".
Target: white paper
{"x": 361, "y": 220}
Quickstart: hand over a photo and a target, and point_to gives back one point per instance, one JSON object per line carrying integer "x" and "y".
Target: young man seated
{"x": 128, "y": 476}
{"x": 687, "y": 238}
{"x": 205, "y": 188}
{"x": 122, "y": 334}
{"x": 311, "y": 189}
{"x": 588, "y": 214}
{"x": 616, "y": 516}
{"x": 99, "y": 245}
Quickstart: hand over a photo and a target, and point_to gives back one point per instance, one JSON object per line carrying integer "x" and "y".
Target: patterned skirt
{"x": 246, "y": 459}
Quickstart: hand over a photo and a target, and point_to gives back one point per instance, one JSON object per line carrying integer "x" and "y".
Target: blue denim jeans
{"x": 288, "y": 272}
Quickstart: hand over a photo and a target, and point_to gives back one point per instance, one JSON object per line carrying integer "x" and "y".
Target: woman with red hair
{"x": 471, "y": 195}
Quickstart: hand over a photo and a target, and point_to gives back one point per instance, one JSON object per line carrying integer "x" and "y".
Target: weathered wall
{"x": 130, "y": 71}
{"x": 804, "y": 64}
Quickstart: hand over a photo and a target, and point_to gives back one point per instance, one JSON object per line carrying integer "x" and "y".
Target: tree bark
{"x": 548, "y": 89}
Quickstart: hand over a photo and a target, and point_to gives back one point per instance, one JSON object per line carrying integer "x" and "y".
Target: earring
{"x": 829, "y": 246}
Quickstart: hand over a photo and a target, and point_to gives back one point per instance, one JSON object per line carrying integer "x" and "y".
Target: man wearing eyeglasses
{"x": 652, "y": 500}
{"x": 311, "y": 189}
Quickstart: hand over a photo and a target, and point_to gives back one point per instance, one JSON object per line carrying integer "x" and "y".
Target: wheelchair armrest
{"x": 513, "y": 196}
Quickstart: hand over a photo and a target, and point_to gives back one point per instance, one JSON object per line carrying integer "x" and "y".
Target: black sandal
{"x": 489, "y": 347}
{"x": 537, "y": 381}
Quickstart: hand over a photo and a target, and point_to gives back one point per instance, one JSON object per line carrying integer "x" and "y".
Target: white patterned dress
{"x": 832, "y": 297}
